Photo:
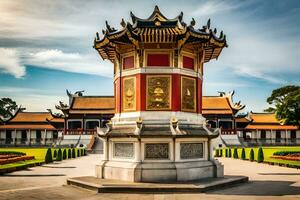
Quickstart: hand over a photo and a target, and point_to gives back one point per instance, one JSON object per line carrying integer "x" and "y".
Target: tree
{"x": 7, "y": 107}
{"x": 59, "y": 155}
{"x": 235, "y": 153}
{"x": 243, "y": 156}
{"x": 260, "y": 155}
{"x": 229, "y": 154}
{"x": 55, "y": 153}
{"x": 48, "y": 157}
{"x": 285, "y": 103}
{"x": 69, "y": 154}
{"x": 251, "y": 157}
{"x": 73, "y": 153}
{"x": 64, "y": 154}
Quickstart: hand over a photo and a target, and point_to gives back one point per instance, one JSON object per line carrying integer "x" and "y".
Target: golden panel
{"x": 188, "y": 94}
{"x": 158, "y": 92}
{"x": 129, "y": 94}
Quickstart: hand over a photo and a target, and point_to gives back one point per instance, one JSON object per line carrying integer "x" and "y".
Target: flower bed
{"x": 15, "y": 159}
{"x": 293, "y": 158}
{"x": 8, "y": 156}
{"x": 287, "y": 155}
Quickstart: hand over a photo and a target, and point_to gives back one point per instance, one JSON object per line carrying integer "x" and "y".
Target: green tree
{"x": 69, "y": 154}
{"x": 59, "y": 155}
{"x": 229, "y": 154}
{"x": 78, "y": 153}
{"x": 226, "y": 153}
{"x": 7, "y": 107}
{"x": 48, "y": 157}
{"x": 73, "y": 153}
{"x": 285, "y": 103}
{"x": 235, "y": 153}
{"x": 251, "y": 156}
{"x": 55, "y": 153}
{"x": 64, "y": 154}
{"x": 260, "y": 155}
{"x": 243, "y": 156}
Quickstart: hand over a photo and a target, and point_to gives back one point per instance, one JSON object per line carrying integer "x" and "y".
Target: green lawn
{"x": 38, "y": 153}
{"x": 268, "y": 152}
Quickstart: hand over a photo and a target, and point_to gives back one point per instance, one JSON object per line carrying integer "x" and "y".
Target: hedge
{"x": 235, "y": 153}
{"x": 73, "y": 153}
{"x": 229, "y": 154}
{"x": 12, "y": 153}
{"x": 59, "y": 155}
{"x": 243, "y": 156}
{"x": 55, "y": 153}
{"x": 69, "y": 154}
{"x": 64, "y": 154}
{"x": 285, "y": 153}
{"x": 251, "y": 157}
{"x": 48, "y": 157}
{"x": 260, "y": 155}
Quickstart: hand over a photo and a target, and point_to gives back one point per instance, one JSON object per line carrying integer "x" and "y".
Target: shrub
{"x": 221, "y": 152}
{"x": 260, "y": 155}
{"x": 285, "y": 153}
{"x": 48, "y": 157}
{"x": 217, "y": 153}
{"x": 251, "y": 156}
{"x": 82, "y": 152}
{"x": 73, "y": 153}
{"x": 226, "y": 153}
{"x": 235, "y": 153}
{"x": 69, "y": 154}
{"x": 243, "y": 156}
{"x": 64, "y": 154}
{"x": 12, "y": 153}
{"x": 55, "y": 153}
{"x": 59, "y": 155}
{"x": 78, "y": 153}
{"x": 229, "y": 154}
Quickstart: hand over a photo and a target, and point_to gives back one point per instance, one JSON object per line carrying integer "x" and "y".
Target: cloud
{"x": 10, "y": 63}
{"x": 70, "y": 62}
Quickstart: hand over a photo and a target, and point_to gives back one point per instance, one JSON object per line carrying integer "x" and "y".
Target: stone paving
{"x": 48, "y": 182}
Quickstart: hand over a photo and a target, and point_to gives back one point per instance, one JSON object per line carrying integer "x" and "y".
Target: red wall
{"x": 158, "y": 60}
{"x": 128, "y": 62}
{"x": 188, "y": 62}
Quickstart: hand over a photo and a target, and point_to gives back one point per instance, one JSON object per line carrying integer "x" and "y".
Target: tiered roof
{"x": 30, "y": 120}
{"x": 220, "y": 105}
{"x": 159, "y": 29}
{"x": 267, "y": 121}
{"x": 79, "y": 104}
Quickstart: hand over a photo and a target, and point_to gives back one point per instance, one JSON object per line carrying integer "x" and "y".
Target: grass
{"x": 38, "y": 153}
{"x": 268, "y": 152}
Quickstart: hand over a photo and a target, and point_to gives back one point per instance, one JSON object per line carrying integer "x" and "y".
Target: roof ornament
{"x": 97, "y": 36}
{"x": 180, "y": 16}
{"x": 208, "y": 23}
{"x": 193, "y": 22}
{"x": 79, "y": 93}
{"x": 133, "y": 17}
{"x": 109, "y": 28}
{"x": 69, "y": 93}
{"x": 221, "y": 35}
{"x": 215, "y": 31}
{"x": 123, "y": 23}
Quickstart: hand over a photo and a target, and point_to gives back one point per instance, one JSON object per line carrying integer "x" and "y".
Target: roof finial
{"x": 123, "y": 23}
{"x": 208, "y": 24}
{"x": 193, "y": 22}
{"x": 110, "y": 29}
{"x": 97, "y": 36}
{"x": 215, "y": 30}
{"x": 156, "y": 9}
{"x": 221, "y": 35}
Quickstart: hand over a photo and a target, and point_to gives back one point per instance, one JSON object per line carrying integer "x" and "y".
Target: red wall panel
{"x": 128, "y": 62}
{"x": 188, "y": 62}
{"x": 158, "y": 60}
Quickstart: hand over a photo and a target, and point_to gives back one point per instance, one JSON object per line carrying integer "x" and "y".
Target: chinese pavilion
{"x": 158, "y": 133}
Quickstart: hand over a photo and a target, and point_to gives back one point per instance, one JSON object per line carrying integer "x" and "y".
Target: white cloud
{"x": 10, "y": 63}
{"x": 70, "y": 62}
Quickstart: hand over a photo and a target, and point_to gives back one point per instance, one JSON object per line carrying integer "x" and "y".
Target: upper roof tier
{"x": 159, "y": 29}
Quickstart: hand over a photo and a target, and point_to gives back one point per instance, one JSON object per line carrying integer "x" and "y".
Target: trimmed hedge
{"x": 243, "y": 156}
{"x": 235, "y": 153}
{"x": 226, "y": 153}
{"x": 12, "y": 153}
{"x": 64, "y": 154}
{"x": 84, "y": 152}
{"x": 251, "y": 156}
{"x": 59, "y": 155}
{"x": 260, "y": 155}
{"x": 229, "y": 154}
{"x": 48, "y": 157}
{"x": 285, "y": 153}
{"x": 55, "y": 153}
{"x": 78, "y": 153}
{"x": 69, "y": 154}
{"x": 73, "y": 153}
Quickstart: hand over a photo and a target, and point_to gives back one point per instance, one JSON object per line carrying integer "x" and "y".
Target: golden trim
{"x": 183, "y": 107}
{"x": 168, "y": 97}
{"x": 129, "y": 99}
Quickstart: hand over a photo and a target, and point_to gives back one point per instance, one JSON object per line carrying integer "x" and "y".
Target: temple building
{"x": 158, "y": 133}
{"x": 30, "y": 129}
{"x": 221, "y": 112}
{"x": 265, "y": 129}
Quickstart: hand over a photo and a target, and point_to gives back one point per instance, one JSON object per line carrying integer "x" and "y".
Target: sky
{"x": 46, "y": 47}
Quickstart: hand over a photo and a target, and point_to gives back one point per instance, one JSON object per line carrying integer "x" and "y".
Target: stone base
{"x": 109, "y": 186}
{"x": 162, "y": 172}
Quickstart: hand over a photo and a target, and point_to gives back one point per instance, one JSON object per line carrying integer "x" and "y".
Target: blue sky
{"x": 46, "y": 47}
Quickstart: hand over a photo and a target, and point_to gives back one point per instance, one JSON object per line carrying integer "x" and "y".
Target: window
{"x": 74, "y": 124}
{"x": 188, "y": 62}
{"x": 225, "y": 124}
{"x": 212, "y": 124}
{"x": 92, "y": 124}
{"x": 38, "y": 134}
{"x": 158, "y": 59}
{"x": 293, "y": 134}
{"x": 263, "y": 134}
{"x": 128, "y": 62}
{"x": 8, "y": 134}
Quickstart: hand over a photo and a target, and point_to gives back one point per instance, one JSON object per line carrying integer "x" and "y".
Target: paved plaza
{"x": 48, "y": 182}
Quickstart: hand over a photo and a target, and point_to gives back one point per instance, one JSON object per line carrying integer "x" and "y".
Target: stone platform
{"x": 117, "y": 186}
